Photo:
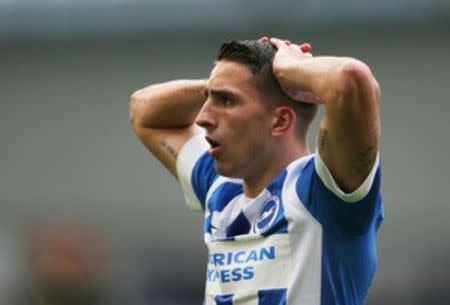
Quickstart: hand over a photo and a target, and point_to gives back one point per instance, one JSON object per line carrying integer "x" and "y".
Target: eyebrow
{"x": 222, "y": 93}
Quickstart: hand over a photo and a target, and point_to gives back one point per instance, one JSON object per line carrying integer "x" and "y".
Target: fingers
{"x": 278, "y": 43}
{"x": 305, "y": 48}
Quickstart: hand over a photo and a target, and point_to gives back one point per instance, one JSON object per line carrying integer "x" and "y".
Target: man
{"x": 282, "y": 226}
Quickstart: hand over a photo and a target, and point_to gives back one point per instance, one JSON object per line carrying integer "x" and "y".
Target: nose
{"x": 205, "y": 117}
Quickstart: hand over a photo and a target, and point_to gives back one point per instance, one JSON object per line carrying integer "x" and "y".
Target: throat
{"x": 255, "y": 184}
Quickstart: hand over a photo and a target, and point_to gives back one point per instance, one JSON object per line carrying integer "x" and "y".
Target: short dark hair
{"x": 258, "y": 57}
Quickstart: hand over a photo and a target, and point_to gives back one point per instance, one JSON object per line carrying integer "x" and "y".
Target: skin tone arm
{"x": 349, "y": 133}
{"x": 163, "y": 115}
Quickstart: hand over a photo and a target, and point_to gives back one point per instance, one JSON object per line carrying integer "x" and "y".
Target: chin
{"x": 226, "y": 171}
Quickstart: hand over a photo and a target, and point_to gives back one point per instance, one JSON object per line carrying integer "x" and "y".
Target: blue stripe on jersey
{"x": 219, "y": 200}
{"x": 240, "y": 225}
{"x": 203, "y": 176}
{"x": 280, "y": 225}
{"x": 208, "y": 224}
{"x": 223, "y": 195}
{"x": 272, "y": 297}
{"x": 224, "y": 299}
{"x": 277, "y": 185}
{"x": 349, "y": 232}
{"x": 332, "y": 212}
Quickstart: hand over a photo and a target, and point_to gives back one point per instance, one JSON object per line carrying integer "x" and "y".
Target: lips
{"x": 215, "y": 147}
{"x": 212, "y": 143}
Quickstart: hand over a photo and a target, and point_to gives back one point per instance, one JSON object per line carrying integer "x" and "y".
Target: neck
{"x": 269, "y": 170}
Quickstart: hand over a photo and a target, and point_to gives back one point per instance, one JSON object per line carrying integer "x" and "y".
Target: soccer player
{"x": 282, "y": 225}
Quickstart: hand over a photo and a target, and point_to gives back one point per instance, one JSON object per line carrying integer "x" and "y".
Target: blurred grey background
{"x": 69, "y": 155}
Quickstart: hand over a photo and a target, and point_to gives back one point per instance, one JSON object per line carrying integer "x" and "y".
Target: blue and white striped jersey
{"x": 302, "y": 241}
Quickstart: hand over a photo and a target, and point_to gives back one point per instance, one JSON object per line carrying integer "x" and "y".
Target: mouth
{"x": 215, "y": 147}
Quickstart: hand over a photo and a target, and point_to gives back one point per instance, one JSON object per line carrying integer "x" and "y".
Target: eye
{"x": 226, "y": 102}
{"x": 223, "y": 99}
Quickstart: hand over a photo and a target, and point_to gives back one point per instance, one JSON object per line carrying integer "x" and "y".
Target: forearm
{"x": 173, "y": 104}
{"x": 328, "y": 78}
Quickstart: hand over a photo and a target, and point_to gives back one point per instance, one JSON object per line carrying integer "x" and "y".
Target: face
{"x": 237, "y": 123}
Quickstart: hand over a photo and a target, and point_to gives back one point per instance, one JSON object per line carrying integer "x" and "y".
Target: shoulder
{"x": 195, "y": 170}
{"x": 352, "y": 212}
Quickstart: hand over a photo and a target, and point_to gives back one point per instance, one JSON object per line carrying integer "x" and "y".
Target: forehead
{"x": 227, "y": 75}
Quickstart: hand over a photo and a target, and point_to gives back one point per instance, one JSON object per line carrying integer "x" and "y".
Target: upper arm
{"x": 165, "y": 143}
{"x": 349, "y": 134}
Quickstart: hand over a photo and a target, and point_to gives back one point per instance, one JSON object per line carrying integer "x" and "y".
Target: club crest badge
{"x": 268, "y": 214}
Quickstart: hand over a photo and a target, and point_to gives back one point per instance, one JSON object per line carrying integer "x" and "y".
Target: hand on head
{"x": 288, "y": 54}
{"x": 305, "y": 48}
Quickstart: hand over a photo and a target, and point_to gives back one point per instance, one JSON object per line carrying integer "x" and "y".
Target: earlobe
{"x": 283, "y": 121}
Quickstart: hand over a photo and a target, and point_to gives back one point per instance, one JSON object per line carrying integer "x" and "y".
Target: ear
{"x": 284, "y": 120}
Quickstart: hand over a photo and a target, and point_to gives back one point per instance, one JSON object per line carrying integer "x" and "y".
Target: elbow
{"x": 133, "y": 116}
{"x": 357, "y": 77}
{"x": 357, "y": 82}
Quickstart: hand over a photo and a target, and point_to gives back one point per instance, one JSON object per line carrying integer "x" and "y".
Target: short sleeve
{"x": 332, "y": 186}
{"x": 350, "y": 213}
{"x": 196, "y": 172}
